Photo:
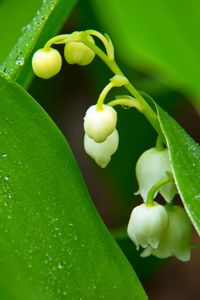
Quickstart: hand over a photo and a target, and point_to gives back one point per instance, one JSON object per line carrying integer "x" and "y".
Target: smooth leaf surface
{"x": 13, "y": 18}
{"x": 156, "y": 35}
{"x": 185, "y": 158}
{"x": 53, "y": 244}
{"x": 45, "y": 24}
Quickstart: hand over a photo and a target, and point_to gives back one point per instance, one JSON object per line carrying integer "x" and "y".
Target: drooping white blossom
{"x": 99, "y": 124}
{"x": 102, "y": 152}
{"x": 151, "y": 168}
{"x": 147, "y": 224}
{"x": 176, "y": 239}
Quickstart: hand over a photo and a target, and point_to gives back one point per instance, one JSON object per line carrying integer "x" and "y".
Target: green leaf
{"x": 185, "y": 157}
{"x": 14, "y": 18}
{"x": 162, "y": 36}
{"x": 53, "y": 244}
{"x": 46, "y": 23}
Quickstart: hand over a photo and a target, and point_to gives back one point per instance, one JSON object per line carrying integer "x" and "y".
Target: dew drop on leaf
{"x": 20, "y": 60}
{"x": 3, "y": 154}
{"x": 6, "y": 177}
{"x": 60, "y": 266}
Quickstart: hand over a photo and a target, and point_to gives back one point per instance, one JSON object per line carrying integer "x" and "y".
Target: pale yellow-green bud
{"x": 176, "y": 239}
{"x": 102, "y": 152}
{"x": 46, "y": 63}
{"x": 151, "y": 168}
{"x": 147, "y": 224}
{"x": 99, "y": 124}
{"x": 119, "y": 80}
{"x": 78, "y": 53}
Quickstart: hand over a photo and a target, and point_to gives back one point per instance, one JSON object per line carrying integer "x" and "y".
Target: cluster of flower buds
{"x": 47, "y": 62}
{"x": 101, "y": 137}
{"x": 163, "y": 231}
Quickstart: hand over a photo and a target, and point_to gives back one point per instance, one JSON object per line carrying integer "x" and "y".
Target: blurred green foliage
{"x": 156, "y": 35}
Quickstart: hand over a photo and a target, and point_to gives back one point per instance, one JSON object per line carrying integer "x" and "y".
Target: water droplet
{"x": 29, "y": 265}
{"x": 71, "y": 224}
{"x": 28, "y": 26}
{"x": 6, "y": 177}
{"x": 3, "y": 154}
{"x": 20, "y": 60}
{"x": 23, "y": 29}
{"x": 60, "y": 266}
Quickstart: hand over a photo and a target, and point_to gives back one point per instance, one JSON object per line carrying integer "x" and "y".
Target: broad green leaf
{"x": 45, "y": 24}
{"x": 53, "y": 244}
{"x": 13, "y": 18}
{"x": 158, "y": 35}
{"x": 185, "y": 158}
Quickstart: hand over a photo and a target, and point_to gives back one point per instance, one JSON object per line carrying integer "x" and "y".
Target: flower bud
{"x": 176, "y": 239}
{"x": 78, "y": 53}
{"x": 102, "y": 152}
{"x": 46, "y": 63}
{"x": 99, "y": 124}
{"x": 119, "y": 80}
{"x": 151, "y": 168}
{"x": 147, "y": 224}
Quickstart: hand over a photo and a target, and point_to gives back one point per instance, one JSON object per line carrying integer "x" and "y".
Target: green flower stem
{"x": 124, "y": 102}
{"x": 155, "y": 187}
{"x": 103, "y": 95}
{"x": 55, "y": 40}
{"x": 108, "y": 45}
{"x": 144, "y": 107}
{"x": 159, "y": 144}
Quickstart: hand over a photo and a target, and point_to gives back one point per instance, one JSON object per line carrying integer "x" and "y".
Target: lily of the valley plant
{"x": 161, "y": 230}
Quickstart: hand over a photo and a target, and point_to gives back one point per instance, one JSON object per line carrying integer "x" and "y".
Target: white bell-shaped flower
{"x": 99, "y": 124}
{"x": 147, "y": 224}
{"x": 151, "y": 168}
{"x": 46, "y": 63}
{"x": 102, "y": 152}
{"x": 176, "y": 239}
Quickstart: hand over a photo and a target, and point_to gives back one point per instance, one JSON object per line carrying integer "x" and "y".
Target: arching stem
{"x": 156, "y": 187}
{"x": 144, "y": 107}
